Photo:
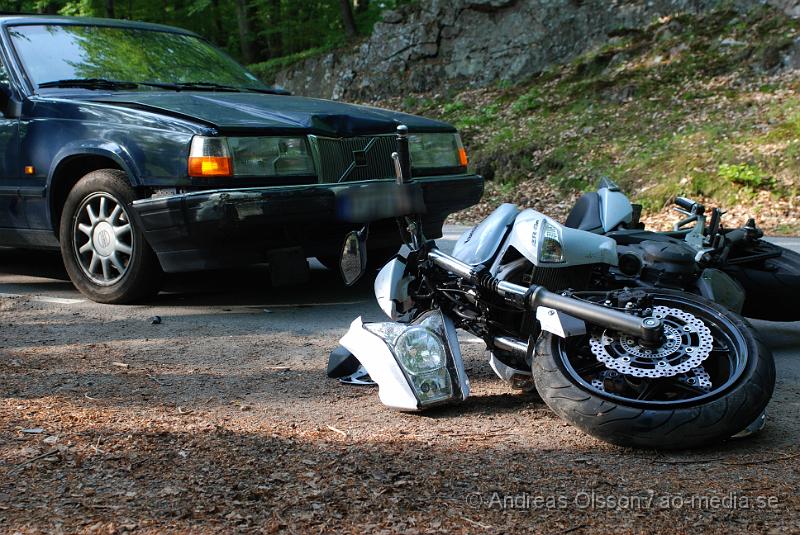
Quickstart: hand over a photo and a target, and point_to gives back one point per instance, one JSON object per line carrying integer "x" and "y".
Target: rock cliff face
{"x": 461, "y": 43}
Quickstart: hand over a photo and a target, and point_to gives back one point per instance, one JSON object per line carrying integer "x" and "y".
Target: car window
{"x": 58, "y": 52}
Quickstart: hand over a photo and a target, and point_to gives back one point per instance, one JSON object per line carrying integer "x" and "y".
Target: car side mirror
{"x": 10, "y": 105}
{"x": 353, "y": 260}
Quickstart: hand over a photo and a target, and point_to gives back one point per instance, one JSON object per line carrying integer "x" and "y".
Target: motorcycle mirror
{"x": 353, "y": 260}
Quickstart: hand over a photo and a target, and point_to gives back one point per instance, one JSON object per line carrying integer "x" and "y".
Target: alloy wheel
{"x": 103, "y": 238}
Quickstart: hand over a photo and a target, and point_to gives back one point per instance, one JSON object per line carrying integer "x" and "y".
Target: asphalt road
{"x": 243, "y": 299}
{"x": 40, "y": 276}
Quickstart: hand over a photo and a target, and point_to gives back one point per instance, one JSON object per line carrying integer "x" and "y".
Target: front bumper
{"x": 220, "y": 228}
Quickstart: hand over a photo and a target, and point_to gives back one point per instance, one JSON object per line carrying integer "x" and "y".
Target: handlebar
{"x": 403, "y": 161}
{"x": 687, "y": 204}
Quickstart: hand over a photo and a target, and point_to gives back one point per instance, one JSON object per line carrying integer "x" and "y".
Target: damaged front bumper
{"x": 219, "y": 228}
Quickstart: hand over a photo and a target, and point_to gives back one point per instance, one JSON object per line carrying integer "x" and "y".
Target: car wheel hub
{"x": 103, "y": 238}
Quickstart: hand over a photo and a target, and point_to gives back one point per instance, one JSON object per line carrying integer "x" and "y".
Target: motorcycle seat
{"x": 585, "y": 215}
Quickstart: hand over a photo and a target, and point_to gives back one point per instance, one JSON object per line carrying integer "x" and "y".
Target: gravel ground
{"x": 220, "y": 419}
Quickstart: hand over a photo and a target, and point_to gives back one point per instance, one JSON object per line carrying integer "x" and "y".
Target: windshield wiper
{"x": 220, "y": 87}
{"x": 208, "y": 86}
{"x": 104, "y": 83}
{"x": 90, "y": 83}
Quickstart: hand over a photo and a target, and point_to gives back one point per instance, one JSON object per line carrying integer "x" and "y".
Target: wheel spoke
{"x": 688, "y": 388}
{"x": 86, "y": 247}
{"x": 86, "y": 229}
{"x": 93, "y": 262}
{"x": 114, "y": 214}
{"x": 92, "y": 216}
{"x": 590, "y": 368}
{"x": 124, "y": 249}
{"x": 102, "y": 208}
{"x": 105, "y": 264}
{"x": 117, "y": 264}
{"x": 647, "y": 391}
{"x": 122, "y": 229}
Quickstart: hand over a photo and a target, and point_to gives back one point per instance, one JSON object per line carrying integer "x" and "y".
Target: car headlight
{"x": 431, "y": 151}
{"x": 422, "y": 352}
{"x": 249, "y": 156}
{"x": 550, "y": 247}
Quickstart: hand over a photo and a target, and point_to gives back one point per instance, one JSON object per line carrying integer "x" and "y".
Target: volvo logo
{"x": 103, "y": 239}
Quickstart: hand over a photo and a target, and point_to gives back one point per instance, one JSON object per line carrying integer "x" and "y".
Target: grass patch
{"x": 685, "y": 107}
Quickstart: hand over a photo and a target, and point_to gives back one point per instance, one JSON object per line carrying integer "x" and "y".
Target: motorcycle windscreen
{"x": 416, "y": 365}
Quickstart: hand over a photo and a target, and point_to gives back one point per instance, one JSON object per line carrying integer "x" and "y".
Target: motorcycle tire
{"x": 711, "y": 417}
{"x": 772, "y": 291}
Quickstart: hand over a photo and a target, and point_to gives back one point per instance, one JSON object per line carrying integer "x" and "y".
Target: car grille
{"x": 353, "y": 158}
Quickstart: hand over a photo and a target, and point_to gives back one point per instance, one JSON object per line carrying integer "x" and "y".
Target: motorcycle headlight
{"x": 422, "y": 351}
{"x": 250, "y": 156}
{"x": 550, "y": 248}
{"x": 431, "y": 151}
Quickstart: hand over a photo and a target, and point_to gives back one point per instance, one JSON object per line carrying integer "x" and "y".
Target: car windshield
{"x": 54, "y": 52}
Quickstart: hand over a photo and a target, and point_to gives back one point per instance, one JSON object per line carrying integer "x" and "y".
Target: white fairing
{"x": 373, "y": 353}
{"x": 578, "y": 246}
{"x": 478, "y": 244}
{"x": 559, "y": 323}
{"x": 391, "y": 289}
{"x": 615, "y": 208}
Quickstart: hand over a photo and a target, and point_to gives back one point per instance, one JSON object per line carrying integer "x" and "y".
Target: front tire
{"x": 665, "y": 422}
{"x": 105, "y": 254}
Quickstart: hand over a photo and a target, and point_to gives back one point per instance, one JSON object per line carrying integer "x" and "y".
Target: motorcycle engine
{"x": 662, "y": 263}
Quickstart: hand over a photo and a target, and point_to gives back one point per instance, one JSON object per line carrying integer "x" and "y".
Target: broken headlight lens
{"x": 421, "y": 351}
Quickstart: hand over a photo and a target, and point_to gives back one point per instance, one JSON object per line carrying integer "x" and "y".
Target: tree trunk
{"x": 275, "y": 37}
{"x": 347, "y": 18}
{"x": 50, "y": 8}
{"x": 219, "y": 29}
{"x": 110, "y": 9}
{"x": 245, "y": 36}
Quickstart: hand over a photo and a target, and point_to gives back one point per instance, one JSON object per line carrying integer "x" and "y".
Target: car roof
{"x": 16, "y": 19}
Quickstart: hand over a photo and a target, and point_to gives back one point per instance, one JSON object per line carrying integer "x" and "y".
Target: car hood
{"x": 234, "y": 112}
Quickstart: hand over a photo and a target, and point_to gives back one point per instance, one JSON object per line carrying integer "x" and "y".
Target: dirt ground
{"x": 221, "y": 419}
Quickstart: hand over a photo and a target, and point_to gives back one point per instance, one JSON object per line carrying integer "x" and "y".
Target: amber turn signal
{"x": 462, "y": 156}
{"x": 200, "y": 166}
{"x": 30, "y": 170}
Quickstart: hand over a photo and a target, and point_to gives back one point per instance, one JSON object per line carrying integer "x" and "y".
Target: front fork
{"x": 648, "y": 330}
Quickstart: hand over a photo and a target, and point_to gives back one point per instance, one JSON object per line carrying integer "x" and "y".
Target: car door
{"x": 12, "y": 207}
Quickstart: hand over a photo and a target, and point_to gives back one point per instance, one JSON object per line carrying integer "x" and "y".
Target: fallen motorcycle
{"x": 735, "y": 267}
{"x": 636, "y": 366}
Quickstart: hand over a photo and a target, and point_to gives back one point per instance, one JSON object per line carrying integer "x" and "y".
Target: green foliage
{"x": 743, "y": 174}
{"x": 670, "y": 110}
{"x": 270, "y": 34}
{"x": 529, "y": 101}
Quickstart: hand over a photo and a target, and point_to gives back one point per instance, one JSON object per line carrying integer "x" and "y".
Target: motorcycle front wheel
{"x": 708, "y": 380}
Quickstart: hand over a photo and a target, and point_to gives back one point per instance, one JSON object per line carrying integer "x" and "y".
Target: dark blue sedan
{"x": 139, "y": 149}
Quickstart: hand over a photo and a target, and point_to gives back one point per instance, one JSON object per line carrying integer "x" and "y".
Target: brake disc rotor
{"x": 686, "y": 344}
{"x": 698, "y": 377}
